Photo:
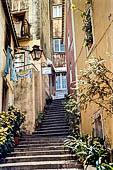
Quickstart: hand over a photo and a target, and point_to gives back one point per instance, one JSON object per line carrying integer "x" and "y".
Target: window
{"x": 57, "y": 11}
{"x": 22, "y": 26}
{"x": 20, "y": 61}
{"x": 97, "y": 124}
{"x": 61, "y": 81}
{"x": 58, "y": 46}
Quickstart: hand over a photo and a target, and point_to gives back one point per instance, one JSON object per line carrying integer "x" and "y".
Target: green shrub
{"x": 39, "y": 119}
{"x": 10, "y": 123}
{"x": 89, "y": 151}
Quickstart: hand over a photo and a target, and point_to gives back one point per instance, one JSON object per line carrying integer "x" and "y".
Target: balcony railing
{"x": 59, "y": 60}
{"x": 22, "y": 29}
{"x": 26, "y": 28}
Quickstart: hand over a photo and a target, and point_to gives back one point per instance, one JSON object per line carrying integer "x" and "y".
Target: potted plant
{"x": 39, "y": 119}
{"x": 46, "y": 108}
{"x": 16, "y": 137}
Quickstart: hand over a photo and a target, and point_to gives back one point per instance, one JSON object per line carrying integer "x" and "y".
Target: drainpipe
{"x": 75, "y": 54}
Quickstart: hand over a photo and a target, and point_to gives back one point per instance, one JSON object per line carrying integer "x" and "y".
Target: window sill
{"x": 57, "y": 17}
{"x": 61, "y": 89}
{"x": 59, "y": 51}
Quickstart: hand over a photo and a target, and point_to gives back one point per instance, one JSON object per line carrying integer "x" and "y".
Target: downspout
{"x": 75, "y": 57}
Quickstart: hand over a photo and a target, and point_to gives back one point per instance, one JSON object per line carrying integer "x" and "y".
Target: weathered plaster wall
{"x": 34, "y": 13}
{"x": 2, "y": 56}
{"x": 57, "y": 28}
{"x": 45, "y": 25}
{"x": 32, "y": 9}
{"x": 3, "y": 59}
{"x": 103, "y": 43}
{"x": 25, "y": 100}
{"x": 56, "y": 1}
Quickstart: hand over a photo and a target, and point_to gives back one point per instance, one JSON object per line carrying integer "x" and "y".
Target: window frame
{"x": 59, "y": 44}
{"x": 95, "y": 117}
{"x": 61, "y": 81}
{"x": 58, "y": 12}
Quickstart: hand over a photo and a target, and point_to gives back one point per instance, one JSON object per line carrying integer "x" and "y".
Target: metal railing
{"x": 26, "y": 29}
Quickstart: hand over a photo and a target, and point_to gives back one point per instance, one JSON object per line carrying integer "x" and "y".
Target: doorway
{"x": 5, "y": 95}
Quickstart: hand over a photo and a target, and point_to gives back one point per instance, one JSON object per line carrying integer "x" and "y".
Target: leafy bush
{"x": 89, "y": 151}
{"x": 39, "y": 119}
{"x": 10, "y": 123}
{"x": 49, "y": 100}
{"x": 73, "y": 115}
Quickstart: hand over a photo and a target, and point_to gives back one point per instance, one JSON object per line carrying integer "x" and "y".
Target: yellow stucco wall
{"x": 103, "y": 43}
{"x": 30, "y": 93}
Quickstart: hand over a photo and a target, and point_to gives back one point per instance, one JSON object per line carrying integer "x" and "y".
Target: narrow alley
{"x": 56, "y": 84}
{"x": 44, "y": 149}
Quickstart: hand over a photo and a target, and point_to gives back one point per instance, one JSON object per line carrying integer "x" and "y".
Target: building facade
{"x": 7, "y": 38}
{"x": 51, "y": 39}
{"x": 69, "y": 41}
{"x": 32, "y": 87}
{"x": 99, "y": 43}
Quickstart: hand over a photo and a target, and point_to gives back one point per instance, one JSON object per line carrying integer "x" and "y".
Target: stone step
{"x": 49, "y": 116}
{"x": 56, "y": 110}
{"x": 50, "y": 122}
{"x": 41, "y": 142}
{"x": 51, "y": 131}
{"x": 47, "y": 122}
{"x": 30, "y": 153}
{"x": 52, "y": 114}
{"x": 52, "y": 134}
{"x": 63, "y": 169}
{"x": 53, "y": 127}
{"x": 40, "y": 165}
{"x": 54, "y": 119}
{"x": 43, "y": 139}
{"x": 58, "y": 100}
{"x": 38, "y": 158}
{"x": 44, "y": 148}
{"x": 55, "y": 115}
{"x": 56, "y": 106}
{"x": 39, "y": 145}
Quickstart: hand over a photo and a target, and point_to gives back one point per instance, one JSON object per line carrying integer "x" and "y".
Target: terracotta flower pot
{"x": 16, "y": 139}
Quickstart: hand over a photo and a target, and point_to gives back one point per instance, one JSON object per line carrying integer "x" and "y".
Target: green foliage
{"x": 10, "y": 123}
{"x": 39, "y": 119}
{"x": 48, "y": 100}
{"x": 73, "y": 115}
{"x": 89, "y": 151}
{"x": 95, "y": 85}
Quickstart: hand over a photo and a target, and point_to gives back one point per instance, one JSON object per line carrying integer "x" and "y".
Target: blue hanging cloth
{"x": 10, "y": 64}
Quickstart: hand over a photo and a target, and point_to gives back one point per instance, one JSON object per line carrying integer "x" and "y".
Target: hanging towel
{"x": 10, "y": 64}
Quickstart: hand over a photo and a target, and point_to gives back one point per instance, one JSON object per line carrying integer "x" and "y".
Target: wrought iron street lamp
{"x": 36, "y": 52}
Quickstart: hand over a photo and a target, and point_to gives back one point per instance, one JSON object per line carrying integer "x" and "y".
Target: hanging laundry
{"x": 10, "y": 64}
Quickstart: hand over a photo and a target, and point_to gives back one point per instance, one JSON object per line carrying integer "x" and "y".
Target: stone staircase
{"x": 44, "y": 149}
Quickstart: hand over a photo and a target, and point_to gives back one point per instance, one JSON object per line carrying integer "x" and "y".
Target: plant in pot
{"x": 49, "y": 100}
{"x": 16, "y": 137}
{"x": 39, "y": 119}
{"x": 46, "y": 108}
